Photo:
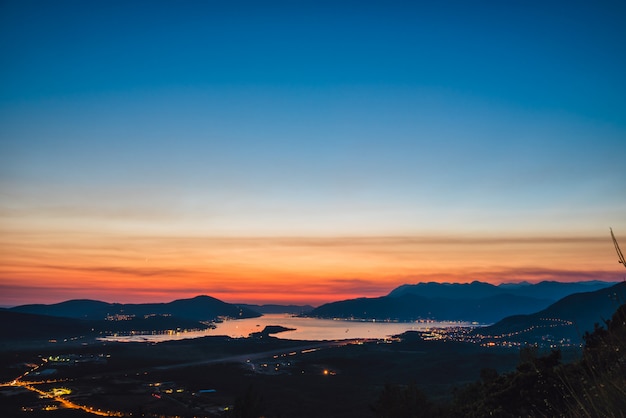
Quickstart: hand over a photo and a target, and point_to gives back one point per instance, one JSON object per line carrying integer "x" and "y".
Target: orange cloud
{"x": 114, "y": 267}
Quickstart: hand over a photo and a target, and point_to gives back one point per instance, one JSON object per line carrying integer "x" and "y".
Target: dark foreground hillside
{"x": 413, "y": 375}
{"x": 566, "y": 320}
{"x": 541, "y": 386}
{"x": 263, "y": 376}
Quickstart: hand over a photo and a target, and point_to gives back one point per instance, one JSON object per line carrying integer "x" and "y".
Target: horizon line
{"x": 529, "y": 282}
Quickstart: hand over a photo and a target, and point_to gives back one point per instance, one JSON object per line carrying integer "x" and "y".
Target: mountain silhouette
{"x": 550, "y": 290}
{"x": 199, "y": 308}
{"x": 470, "y": 302}
{"x": 410, "y": 307}
{"x": 567, "y": 318}
{"x": 473, "y": 290}
{"x": 19, "y": 326}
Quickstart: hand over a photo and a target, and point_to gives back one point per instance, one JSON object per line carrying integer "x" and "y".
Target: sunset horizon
{"x": 306, "y": 153}
{"x": 312, "y": 208}
{"x": 280, "y": 302}
{"x": 362, "y": 267}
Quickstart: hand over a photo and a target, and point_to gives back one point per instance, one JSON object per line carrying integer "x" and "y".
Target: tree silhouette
{"x": 397, "y": 401}
{"x": 250, "y": 405}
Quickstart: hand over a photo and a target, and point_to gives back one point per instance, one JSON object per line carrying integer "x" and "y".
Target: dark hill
{"x": 476, "y": 301}
{"x": 411, "y": 307}
{"x": 404, "y": 307}
{"x": 547, "y": 290}
{"x": 18, "y": 326}
{"x": 568, "y": 318}
{"x": 77, "y": 308}
{"x": 558, "y": 290}
{"x": 474, "y": 290}
{"x": 200, "y": 308}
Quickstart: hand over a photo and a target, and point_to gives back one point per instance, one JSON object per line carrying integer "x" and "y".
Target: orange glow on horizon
{"x": 300, "y": 270}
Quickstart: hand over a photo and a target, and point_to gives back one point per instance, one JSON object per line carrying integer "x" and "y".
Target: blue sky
{"x": 312, "y": 118}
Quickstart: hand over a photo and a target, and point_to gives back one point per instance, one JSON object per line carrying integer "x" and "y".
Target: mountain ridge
{"x": 547, "y": 289}
{"x": 568, "y": 318}
{"x": 469, "y": 302}
{"x": 198, "y": 308}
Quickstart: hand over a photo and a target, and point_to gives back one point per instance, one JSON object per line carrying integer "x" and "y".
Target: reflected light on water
{"x": 309, "y": 329}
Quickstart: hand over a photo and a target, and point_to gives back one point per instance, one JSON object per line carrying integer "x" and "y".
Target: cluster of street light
{"x": 507, "y": 339}
{"x": 56, "y": 394}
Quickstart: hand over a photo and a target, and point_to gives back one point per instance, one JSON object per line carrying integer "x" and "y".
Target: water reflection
{"x": 311, "y": 329}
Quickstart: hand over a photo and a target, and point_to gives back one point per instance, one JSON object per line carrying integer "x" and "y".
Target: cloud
{"x": 131, "y": 271}
{"x": 272, "y": 269}
{"x": 366, "y": 287}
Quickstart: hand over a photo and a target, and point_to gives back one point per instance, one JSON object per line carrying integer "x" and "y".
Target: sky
{"x": 307, "y": 151}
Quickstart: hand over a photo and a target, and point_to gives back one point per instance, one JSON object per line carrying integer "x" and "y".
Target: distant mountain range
{"x": 547, "y": 290}
{"x": 91, "y": 318}
{"x": 200, "y": 308}
{"x": 569, "y": 318}
{"x": 474, "y": 302}
{"x": 518, "y": 312}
